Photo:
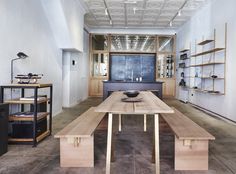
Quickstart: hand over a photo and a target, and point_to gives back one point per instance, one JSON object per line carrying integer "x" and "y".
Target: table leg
{"x": 119, "y": 122}
{"x": 157, "y": 155}
{"x": 145, "y": 122}
{"x": 109, "y": 139}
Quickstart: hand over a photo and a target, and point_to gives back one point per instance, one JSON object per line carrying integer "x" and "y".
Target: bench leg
{"x": 191, "y": 156}
{"x": 145, "y": 123}
{"x": 79, "y": 154}
{"x": 157, "y": 151}
{"x": 119, "y": 122}
{"x": 109, "y": 142}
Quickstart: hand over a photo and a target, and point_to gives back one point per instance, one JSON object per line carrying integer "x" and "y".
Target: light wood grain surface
{"x": 29, "y": 85}
{"x": 150, "y": 104}
{"x": 185, "y": 128}
{"x": 83, "y": 126}
{"x": 18, "y": 101}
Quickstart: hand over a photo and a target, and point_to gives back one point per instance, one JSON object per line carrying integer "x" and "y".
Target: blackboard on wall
{"x": 132, "y": 66}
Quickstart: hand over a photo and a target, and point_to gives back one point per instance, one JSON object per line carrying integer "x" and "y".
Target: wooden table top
{"x": 150, "y": 104}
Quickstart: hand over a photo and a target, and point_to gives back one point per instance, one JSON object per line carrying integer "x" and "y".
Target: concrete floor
{"x": 133, "y": 147}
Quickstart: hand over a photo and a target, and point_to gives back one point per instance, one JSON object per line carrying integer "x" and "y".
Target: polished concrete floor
{"x": 133, "y": 147}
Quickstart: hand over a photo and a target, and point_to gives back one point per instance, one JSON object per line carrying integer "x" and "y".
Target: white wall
{"x": 214, "y": 15}
{"x": 66, "y": 18}
{"x": 75, "y": 77}
{"x": 26, "y": 27}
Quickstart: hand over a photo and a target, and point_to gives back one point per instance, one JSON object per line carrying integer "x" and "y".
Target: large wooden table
{"x": 150, "y": 104}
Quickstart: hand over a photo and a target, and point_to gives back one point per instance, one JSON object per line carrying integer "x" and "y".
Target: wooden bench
{"x": 191, "y": 142}
{"x": 77, "y": 140}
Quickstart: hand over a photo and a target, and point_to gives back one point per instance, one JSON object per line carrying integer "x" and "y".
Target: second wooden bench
{"x": 191, "y": 142}
{"x": 77, "y": 140}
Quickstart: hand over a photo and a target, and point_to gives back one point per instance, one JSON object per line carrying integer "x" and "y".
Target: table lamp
{"x": 20, "y": 55}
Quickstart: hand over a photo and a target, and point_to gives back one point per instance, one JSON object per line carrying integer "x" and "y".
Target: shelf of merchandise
{"x": 36, "y": 114}
{"x": 213, "y": 63}
{"x": 207, "y": 64}
{"x": 208, "y": 52}
{"x": 40, "y": 115}
{"x": 185, "y": 69}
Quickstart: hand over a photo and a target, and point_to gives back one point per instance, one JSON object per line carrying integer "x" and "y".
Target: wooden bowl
{"x": 131, "y": 93}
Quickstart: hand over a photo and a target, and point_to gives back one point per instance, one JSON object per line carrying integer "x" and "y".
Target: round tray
{"x": 133, "y": 99}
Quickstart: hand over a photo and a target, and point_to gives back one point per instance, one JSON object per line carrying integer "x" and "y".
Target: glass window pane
{"x": 165, "y": 66}
{"x": 103, "y": 64}
{"x": 161, "y": 66}
{"x": 133, "y": 67}
{"x": 166, "y": 44}
{"x": 99, "y": 64}
{"x": 95, "y": 69}
{"x": 99, "y": 42}
{"x": 133, "y": 43}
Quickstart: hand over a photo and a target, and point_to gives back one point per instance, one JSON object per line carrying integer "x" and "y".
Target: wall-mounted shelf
{"x": 208, "y": 52}
{"x": 210, "y": 78}
{"x": 184, "y": 50}
{"x": 211, "y": 62}
{"x": 204, "y": 42}
{"x": 207, "y": 64}
{"x": 207, "y": 91}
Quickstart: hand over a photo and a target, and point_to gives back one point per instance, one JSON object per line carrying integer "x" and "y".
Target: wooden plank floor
{"x": 133, "y": 147}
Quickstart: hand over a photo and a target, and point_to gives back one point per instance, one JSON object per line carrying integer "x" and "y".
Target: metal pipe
{"x": 12, "y": 61}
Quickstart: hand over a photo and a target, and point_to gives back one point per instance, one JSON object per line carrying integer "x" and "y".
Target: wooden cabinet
{"x": 168, "y": 87}
{"x": 96, "y": 86}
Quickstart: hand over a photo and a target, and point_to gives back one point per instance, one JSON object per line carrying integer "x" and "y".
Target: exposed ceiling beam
{"x": 160, "y": 12}
{"x": 125, "y": 11}
{"x": 143, "y": 10}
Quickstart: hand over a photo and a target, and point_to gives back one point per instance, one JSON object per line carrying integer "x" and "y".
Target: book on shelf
{"x": 32, "y": 98}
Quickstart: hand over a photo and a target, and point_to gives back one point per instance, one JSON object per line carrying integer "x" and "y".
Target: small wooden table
{"x": 150, "y": 104}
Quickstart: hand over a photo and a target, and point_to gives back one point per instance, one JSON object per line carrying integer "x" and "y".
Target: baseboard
{"x": 213, "y": 114}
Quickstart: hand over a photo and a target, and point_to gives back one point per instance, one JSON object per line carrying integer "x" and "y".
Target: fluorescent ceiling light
{"x": 106, "y": 12}
{"x": 130, "y": 2}
{"x": 179, "y": 12}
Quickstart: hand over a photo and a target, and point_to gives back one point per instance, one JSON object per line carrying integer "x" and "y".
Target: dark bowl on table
{"x": 131, "y": 93}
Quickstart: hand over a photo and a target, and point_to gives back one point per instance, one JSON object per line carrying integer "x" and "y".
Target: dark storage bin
{"x": 4, "y": 112}
{"x": 25, "y": 129}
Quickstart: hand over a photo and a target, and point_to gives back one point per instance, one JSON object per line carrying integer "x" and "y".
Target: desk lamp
{"x": 20, "y": 55}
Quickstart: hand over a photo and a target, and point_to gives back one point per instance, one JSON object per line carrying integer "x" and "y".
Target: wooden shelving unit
{"x": 208, "y": 52}
{"x": 185, "y": 58}
{"x": 18, "y": 101}
{"x": 204, "y": 42}
{"x": 203, "y": 65}
{"x": 207, "y": 64}
{"x": 40, "y": 115}
{"x": 39, "y": 122}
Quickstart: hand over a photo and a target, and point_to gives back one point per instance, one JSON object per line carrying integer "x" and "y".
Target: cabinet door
{"x": 96, "y": 87}
{"x": 168, "y": 87}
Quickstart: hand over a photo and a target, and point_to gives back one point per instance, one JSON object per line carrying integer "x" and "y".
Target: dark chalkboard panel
{"x": 130, "y": 67}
